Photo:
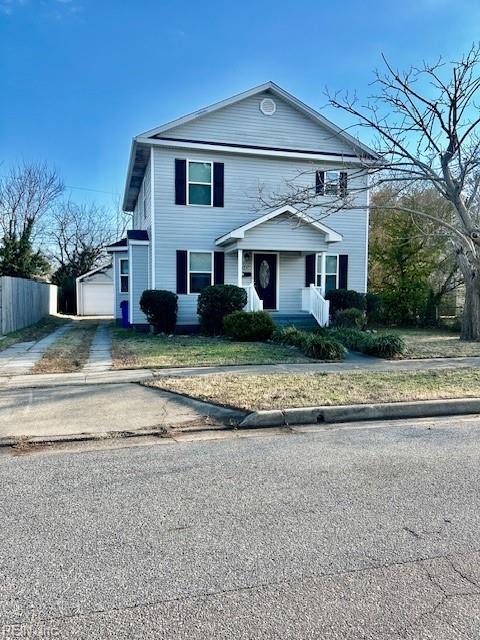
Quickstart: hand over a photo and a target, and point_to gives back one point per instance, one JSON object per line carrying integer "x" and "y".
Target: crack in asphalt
{"x": 445, "y": 596}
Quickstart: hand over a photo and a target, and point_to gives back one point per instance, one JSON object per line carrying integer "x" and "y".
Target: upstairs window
{"x": 199, "y": 183}
{"x": 123, "y": 275}
{"x": 200, "y": 270}
{"x": 332, "y": 183}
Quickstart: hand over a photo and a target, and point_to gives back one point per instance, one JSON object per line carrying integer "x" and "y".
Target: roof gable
{"x": 292, "y": 212}
{"x": 239, "y": 120}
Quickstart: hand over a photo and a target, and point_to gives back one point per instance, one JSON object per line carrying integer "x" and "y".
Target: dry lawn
{"x": 70, "y": 352}
{"x": 279, "y": 391}
{"x": 143, "y": 350}
{"x": 32, "y": 333}
{"x": 435, "y": 343}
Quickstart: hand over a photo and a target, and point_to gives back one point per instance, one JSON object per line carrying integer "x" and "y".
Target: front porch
{"x": 275, "y": 281}
{"x": 285, "y": 263}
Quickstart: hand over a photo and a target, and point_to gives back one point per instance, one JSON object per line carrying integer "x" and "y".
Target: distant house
{"x": 192, "y": 185}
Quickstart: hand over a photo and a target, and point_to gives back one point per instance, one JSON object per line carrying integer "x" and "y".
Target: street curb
{"x": 9, "y": 441}
{"x": 362, "y": 412}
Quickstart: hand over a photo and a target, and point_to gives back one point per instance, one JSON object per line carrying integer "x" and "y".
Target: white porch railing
{"x": 254, "y": 303}
{"x": 315, "y": 303}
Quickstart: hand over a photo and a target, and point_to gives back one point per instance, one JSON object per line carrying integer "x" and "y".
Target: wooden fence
{"x": 24, "y": 302}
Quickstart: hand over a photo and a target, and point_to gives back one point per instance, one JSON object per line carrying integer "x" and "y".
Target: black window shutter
{"x": 343, "y": 272}
{"x": 218, "y": 267}
{"x": 343, "y": 183}
{"x": 320, "y": 183}
{"x": 310, "y": 269}
{"x": 180, "y": 181}
{"x": 218, "y": 184}
{"x": 182, "y": 257}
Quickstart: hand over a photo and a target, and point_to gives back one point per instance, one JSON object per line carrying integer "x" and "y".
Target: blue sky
{"x": 79, "y": 78}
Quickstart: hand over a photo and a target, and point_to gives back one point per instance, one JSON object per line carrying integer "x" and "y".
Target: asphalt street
{"x": 351, "y": 533}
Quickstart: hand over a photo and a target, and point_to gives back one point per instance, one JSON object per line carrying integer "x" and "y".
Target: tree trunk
{"x": 471, "y": 311}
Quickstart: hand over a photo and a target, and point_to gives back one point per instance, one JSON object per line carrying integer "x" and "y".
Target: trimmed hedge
{"x": 216, "y": 302}
{"x": 345, "y": 299}
{"x": 160, "y": 307}
{"x": 349, "y": 318}
{"x": 249, "y": 325}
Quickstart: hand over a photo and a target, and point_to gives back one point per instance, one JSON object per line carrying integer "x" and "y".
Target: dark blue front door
{"x": 265, "y": 278}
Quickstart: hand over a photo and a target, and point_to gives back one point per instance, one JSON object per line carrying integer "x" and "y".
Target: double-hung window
{"x": 199, "y": 183}
{"x": 327, "y": 271}
{"x": 123, "y": 275}
{"x": 332, "y": 183}
{"x": 200, "y": 270}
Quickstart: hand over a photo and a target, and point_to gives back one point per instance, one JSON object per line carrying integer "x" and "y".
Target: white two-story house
{"x": 193, "y": 188}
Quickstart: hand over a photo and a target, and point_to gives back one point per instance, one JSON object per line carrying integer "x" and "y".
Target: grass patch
{"x": 143, "y": 350}
{"x": 34, "y": 332}
{"x": 70, "y": 352}
{"x": 435, "y": 343}
{"x": 280, "y": 391}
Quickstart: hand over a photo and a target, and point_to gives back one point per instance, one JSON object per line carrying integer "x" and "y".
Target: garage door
{"x": 97, "y": 299}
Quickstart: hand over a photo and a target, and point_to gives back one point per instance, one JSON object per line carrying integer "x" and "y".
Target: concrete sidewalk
{"x": 100, "y": 358}
{"x": 101, "y": 410}
{"x": 21, "y": 357}
{"x": 353, "y": 363}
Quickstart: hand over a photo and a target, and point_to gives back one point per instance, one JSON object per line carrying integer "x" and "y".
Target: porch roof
{"x": 239, "y": 232}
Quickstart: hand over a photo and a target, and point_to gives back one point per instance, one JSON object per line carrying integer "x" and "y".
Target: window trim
{"x": 322, "y": 259}
{"x": 325, "y": 183}
{"x": 189, "y": 182}
{"x": 123, "y": 275}
{"x": 193, "y": 293}
{"x": 144, "y": 201}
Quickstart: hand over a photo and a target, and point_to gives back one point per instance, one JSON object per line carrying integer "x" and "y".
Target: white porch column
{"x": 240, "y": 267}
{"x": 322, "y": 278}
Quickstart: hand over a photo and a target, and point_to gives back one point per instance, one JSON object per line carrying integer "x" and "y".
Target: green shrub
{"x": 386, "y": 345}
{"x": 352, "y": 339}
{"x": 249, "y": 325}
{"x": 345, "y": 299}
{"x": 312, "y": 344}
{"x": 321, "y": 348}
{"x": 216, "y": 302}
{"x": 160, "y": 307}
{"x": 290, "y": 336}
{"x": 349, "y": 318}
{"x": 374, "y": 307}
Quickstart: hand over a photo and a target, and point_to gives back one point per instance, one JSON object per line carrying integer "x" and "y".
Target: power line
{"x": 110, "y": 193}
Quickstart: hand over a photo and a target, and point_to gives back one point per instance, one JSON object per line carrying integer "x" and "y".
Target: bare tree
{"x": 427, "y": 124}
{"x": 77, "y": 236}
{"x": 27, "y": 192}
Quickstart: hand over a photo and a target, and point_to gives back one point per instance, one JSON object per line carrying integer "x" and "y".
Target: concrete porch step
{"x": 300, "y": 320}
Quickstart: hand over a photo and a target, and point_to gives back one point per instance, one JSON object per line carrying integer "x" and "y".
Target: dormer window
{"x": 199, "y": 187}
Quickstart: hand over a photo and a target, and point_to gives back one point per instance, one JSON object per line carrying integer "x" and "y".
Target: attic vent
{"x": 268, "y": 107}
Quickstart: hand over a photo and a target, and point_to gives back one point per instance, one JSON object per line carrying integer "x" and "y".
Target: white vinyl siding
{"x": 196, "y": 228}
{"x": 244, "y": 123}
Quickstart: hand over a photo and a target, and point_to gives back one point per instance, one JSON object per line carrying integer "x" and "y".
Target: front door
{"x": 265, "y": 278}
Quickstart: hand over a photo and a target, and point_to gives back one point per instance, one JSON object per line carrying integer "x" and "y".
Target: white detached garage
{"x": 95, "y": 292}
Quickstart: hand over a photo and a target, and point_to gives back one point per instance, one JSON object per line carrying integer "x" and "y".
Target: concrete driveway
{"x": 340, "y": 534}
{"x": 98, "y": 408}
